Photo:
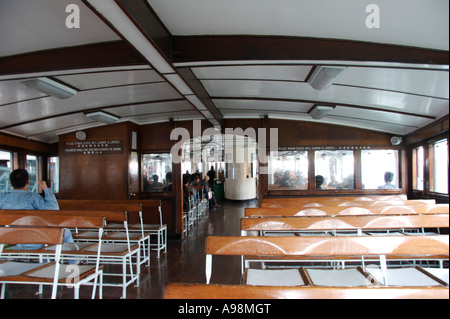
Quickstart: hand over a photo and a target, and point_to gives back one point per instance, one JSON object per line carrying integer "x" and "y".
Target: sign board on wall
{"x": 100, "y": 147}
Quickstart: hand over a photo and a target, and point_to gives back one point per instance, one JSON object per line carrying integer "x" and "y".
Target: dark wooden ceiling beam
{"x": 195, "y": 84}
{"x": 229, "y": 48}
{"x": 149, "y": 23}
{"x": 109, "y": 54}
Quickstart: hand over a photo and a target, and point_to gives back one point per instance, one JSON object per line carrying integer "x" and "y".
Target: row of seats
{"x": 316, "y": 243}
{"x": 48, "y": 265}
{"x": 158, "y": 231}
{"x": 122, "y": 244}
{"x": 121, "y": 232}
{"x": 198, "y": 208}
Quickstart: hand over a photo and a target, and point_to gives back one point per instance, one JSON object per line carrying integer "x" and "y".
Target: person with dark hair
{"x": 187, "y": 191}
{"x": 388, "y": 178}
{"x": 319, "y": 181}
{"x": 21, "y": 198}
{"x": 212, "y": 176}
{"x": 156, "y": 184}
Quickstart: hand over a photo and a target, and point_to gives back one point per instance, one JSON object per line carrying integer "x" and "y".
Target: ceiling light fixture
{"x": 50, "y": 87}
{"x": 319, "y": 111}
{"x": 103, "y": 117}
{"x": 324, "y": 76}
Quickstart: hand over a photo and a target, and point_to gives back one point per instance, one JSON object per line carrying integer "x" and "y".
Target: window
{"x": 33, "y": 170}
{"x": 418, "y": 167}
{"x": 288, "y": 170}
{"x": 6, "y": 167}
{"x": 334, "y": 169}
{"x": 438, "y": 160}
{"x": 378, "y": 164}
{"x": 156, "y": 172}
{"x": 53, "y": 174}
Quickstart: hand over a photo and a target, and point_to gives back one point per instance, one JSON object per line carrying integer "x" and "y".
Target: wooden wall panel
{"x": 295, "y": 133}
{"x": 95, "y": 176}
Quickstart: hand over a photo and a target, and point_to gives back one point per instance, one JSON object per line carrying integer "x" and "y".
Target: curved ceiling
{"x": 160, "y": 60}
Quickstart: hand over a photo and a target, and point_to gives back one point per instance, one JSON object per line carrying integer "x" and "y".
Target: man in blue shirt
{"x": 21, "y": 198}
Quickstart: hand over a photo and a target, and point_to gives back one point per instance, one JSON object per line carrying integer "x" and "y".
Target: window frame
{"x": 142, "y": 175}
{"x": 357, "y": 158}
{"x": 426, "y": 192}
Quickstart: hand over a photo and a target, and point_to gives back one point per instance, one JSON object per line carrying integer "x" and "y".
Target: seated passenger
{"x": 21, "y": 198}
{"x": 155, "y": 185}
{"x": 388, "y": 178}
{"x": 286, "y": 180}
{"x": 187, "y": 191}
{"x": 319, "y": 181}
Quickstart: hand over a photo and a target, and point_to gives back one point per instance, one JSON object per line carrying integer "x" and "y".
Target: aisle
{"x": 185, "y": 259}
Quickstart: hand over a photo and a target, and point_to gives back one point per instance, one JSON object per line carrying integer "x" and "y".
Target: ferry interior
{"x": 97, "y": 97}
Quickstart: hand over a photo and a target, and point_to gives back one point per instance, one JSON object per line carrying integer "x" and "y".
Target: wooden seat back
{"x": 321, "y": 203}
{"x": 344, "y": 223}
{"x": 31, "y": 235}
{"x": 215, "y": 291}
{"x": 328, "y": 246}
{"x": 347, "y": 211}
{"x": 367, "y": 198}
{"x": 44, "y": 218}
{"x": 82, "y": 205}
{"x": 143, "y": 203}
{"x": 114, "y": 216}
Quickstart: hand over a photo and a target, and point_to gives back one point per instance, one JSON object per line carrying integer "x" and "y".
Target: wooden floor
{"x": 183, "y": 262}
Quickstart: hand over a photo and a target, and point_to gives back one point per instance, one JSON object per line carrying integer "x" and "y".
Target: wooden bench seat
{"x": 117, "y": 229}
{"x": 365, "y": 198}
{"x": 125, "y": 254}
{"x": 217, "y": 291}
{"x": 347, "y": 211}
{"x": 22, "y": 225}
{"x": 353, "y": 203}
{"x": 357, "y": 224}
{"x": 328, "y": 247}
{"x": 132, "y": 207}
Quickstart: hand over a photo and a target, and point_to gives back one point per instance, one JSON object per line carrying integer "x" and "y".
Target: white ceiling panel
{"x": 162, "y": 117}
{"x": 52, "y": 125}
{"x": 413, "y": 122}
{"x": 151, "y": 109}
{"x": 260, "y": 72}
{"x": 380, "y": 95}
{"x": 434, "y": 83}
{"x": 85, "y": 100}
{"x": 420, "y": 23}
{"x": 88, "y": 81}
{"x": 335, "y": 95}
{"x": 14, "y": 91}
{"x": 29, "y": 26}
{"x": 263, "y": 106}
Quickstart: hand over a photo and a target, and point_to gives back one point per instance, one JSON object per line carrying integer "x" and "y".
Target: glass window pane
{"x": 439, "y": 171}
{"x": 418, "y": 168}
{"x": 33, "y": 169}
{"x": 288, "y": 170}
{"x": 378, "y": 164}
{"x": 53, "y": 171}
{"x": 157, "y": 172}
{"x": 334, "y": 169}
{"x": 5, "y": 168}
